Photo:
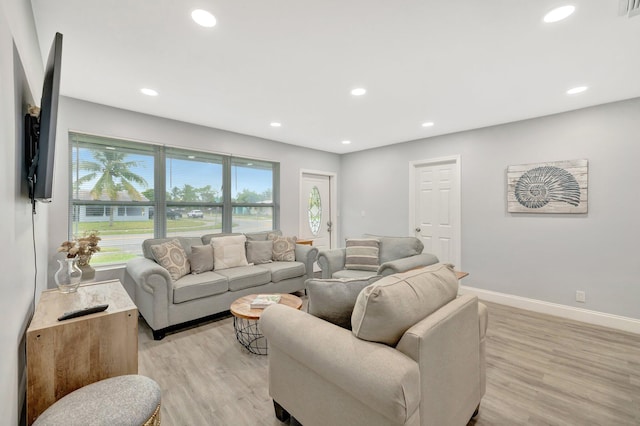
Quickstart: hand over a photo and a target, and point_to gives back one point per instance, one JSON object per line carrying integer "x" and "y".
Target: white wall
{"x": 20, "y": 63}
{"x": 87, "y": 117}
{"x": 542, "y": 257}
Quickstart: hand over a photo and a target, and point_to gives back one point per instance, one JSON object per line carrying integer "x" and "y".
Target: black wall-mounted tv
{"x": 40, "y": 131}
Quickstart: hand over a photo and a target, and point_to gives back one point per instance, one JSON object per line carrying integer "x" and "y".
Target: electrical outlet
{"x": 581, "y": 296}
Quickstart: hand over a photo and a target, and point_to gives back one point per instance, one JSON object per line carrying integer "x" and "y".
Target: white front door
{"x": 435, "y": 207}
{"x": 316, "y": 209}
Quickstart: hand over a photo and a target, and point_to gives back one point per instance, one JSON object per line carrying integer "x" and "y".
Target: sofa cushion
{"x": 284, "y": 248}
{"x": 389, "y": 307}
{"x": 392, "y": 248}
{"x": 229, "y": 252}
{"x": 171, "y": 256}
{"x": 362, "y": 254}
{"x": 333, "y": 299}
{"x": 353, "y": 273}
{"x": 284, "y": 270}
{"x": 245, "y": 277}
{"x": 201, "y": 259}
{"x": 259, "y": 252}
{"x": 205, "y": 284}
{"x": 262, "y": 236}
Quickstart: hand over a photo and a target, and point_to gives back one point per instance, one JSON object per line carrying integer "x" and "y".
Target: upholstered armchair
{"x": 415, "y": 356}
{"x": 374, "y": 255}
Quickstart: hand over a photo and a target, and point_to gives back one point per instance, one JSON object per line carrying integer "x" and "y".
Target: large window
{"x": 252, "y": 195}
{"x": 194, "y": 192}
{"x": 130, "y": 191}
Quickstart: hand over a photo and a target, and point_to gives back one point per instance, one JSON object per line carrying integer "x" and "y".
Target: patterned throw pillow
{"x": 284, "y": 248}
{"x": 362, "y": 254}
{"x": 172, "y": 257}
{"x": 229, "y": 252}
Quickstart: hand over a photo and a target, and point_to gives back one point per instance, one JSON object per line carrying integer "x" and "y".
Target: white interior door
{"x": 316, "y": 209}
{"x": 436, "y": 207}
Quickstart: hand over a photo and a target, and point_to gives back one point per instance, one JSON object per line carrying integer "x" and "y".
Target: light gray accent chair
{"x": 397, "y": 254}
{"x": 167, "y": 305}
{"x": 431, "y": 373}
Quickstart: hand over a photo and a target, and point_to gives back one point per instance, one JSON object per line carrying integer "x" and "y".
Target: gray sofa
{"x": 415, "y": 356}
{"x": 167, "y": 304}
{"x": 396, "y": 254}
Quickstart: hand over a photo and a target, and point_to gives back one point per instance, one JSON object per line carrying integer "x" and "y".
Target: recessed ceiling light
{"x": 576, "y": 90}
{"x": 346, "y": 142}
{"x": 110, "y": 147}
{"x": 358, "y": 91}
{"x": 249, "y": 164}
{"x": 149, "y": 92}
{"x": 203, "y": 18}
{"x": 427, "y": 124}
{"x": 191, "y": 157}
{"x": 276, "y": 124}
{"x": 559, "y": 13}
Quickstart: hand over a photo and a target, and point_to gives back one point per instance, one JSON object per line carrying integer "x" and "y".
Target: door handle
{"x": 418, "y": 229}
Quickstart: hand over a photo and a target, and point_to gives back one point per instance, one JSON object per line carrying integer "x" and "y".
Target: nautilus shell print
{"x": 550, "y": 188}
{"x": 541, "y": 185}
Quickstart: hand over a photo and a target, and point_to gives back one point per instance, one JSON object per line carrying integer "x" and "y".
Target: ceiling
{"x": 460, "y": 64}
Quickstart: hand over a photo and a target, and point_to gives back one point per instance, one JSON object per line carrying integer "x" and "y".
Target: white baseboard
{"x": 617, "y": 322}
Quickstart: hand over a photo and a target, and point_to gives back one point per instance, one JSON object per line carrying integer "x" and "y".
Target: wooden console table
{"x": 63, "y": 356}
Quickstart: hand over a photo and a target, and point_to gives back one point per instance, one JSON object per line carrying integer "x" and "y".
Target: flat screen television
{"x": 40, "y": 130}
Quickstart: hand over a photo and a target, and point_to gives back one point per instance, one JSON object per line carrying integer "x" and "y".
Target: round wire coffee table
{"x": 245, "y": 321}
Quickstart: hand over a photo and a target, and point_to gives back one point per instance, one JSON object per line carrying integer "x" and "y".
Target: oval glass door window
{"x": 315, "y": 210}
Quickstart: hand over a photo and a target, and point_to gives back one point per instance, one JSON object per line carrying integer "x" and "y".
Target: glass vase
{"x": 68, "y": 275}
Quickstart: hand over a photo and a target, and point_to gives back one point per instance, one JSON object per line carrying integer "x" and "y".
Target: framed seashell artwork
{"x": 556, "y": 187}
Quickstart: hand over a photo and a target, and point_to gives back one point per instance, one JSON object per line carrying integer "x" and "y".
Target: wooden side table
{"x": 245, "y": 321}
{"x": 460, "y": 275}
{"x": 63, "y": 356}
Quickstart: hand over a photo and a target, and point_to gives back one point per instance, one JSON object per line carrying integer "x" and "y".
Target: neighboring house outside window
{"x": 100, "y": 213}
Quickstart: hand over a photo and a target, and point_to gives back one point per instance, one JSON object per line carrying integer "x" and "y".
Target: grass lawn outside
{"x": 144, "y": 226}
{"x": 111, "y": 255}
{"x": 117, "y": 249}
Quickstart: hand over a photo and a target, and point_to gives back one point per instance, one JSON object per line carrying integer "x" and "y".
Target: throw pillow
{"x": 259, "y": 252}
{"x": 362, "y": 254}
{"x": 332, "y": 300}
{"x": 388, "y": 308}
{"x": 284, "y": 248}
{"x": 229, "y": 252}
{"x": 172, "y": 257}
{"x": 201, "y": 259}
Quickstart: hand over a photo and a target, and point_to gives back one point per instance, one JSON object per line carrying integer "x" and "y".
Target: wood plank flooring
{"x": 541, "y": 370}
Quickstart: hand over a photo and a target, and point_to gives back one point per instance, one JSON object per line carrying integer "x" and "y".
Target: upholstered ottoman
{"x": 130, "y": 400}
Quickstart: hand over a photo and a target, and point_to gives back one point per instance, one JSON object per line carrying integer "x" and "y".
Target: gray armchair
{"x": 390, "y": 370}
{"x": 397, "y": 254}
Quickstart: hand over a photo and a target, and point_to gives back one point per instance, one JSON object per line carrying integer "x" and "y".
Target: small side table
{"x": 245, "y": 321}
{"x": 63, "y": 356}
{"x": 460, "y": 275}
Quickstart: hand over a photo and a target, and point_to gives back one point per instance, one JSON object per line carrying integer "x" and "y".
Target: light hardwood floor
{"x": 541, "y": 370}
